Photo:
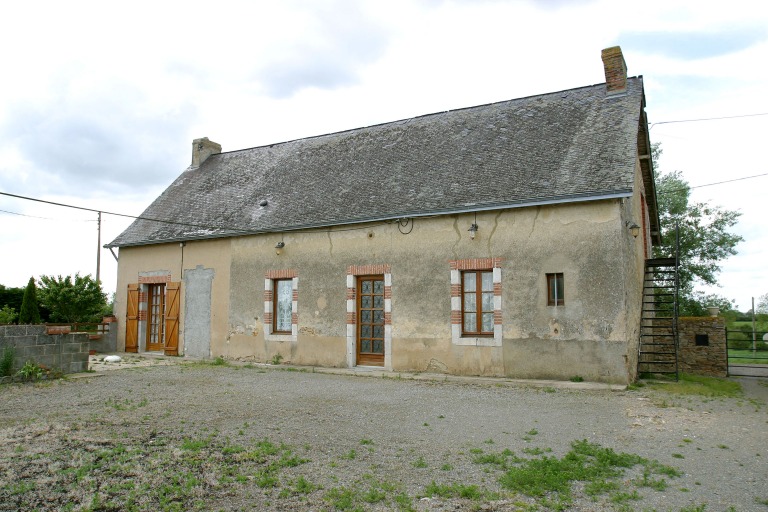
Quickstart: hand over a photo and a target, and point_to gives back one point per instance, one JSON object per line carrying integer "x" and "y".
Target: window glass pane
{"x": 366, "y": 287}
{"x": 487, "y": 281}
{"x": 560, "y": 288}
{"x": 378, "y": 287}
{"x": 365, "y": 331}
{"x": 487, "y": 322}
{"x": 365, "y": 345}
{"x": 378, "y": 316}
{"x": 378, "y": 346}
{"x": 284, "y": 305}
{"x": 470, "y": 322}
{"x": 365, "y": 317}
{"x": 365, "y": 301}
{"x": 469, "y": 281}
{"x": 487, "y": 301}
{"x": 378, "y": 331}
{"x": 470, "y": 302}
{"x": 378, "y": 301}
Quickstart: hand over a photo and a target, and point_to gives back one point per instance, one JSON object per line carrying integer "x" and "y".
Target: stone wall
{"x": 65, "y": 352}
{"x": 702, "y": 346}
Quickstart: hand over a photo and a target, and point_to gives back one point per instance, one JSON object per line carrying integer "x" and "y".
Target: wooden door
{"x": 370, "y": 320}
{"x": 132, "y": 319}
{"x": 172, "y": 294}
{"x": 155, "y": 317}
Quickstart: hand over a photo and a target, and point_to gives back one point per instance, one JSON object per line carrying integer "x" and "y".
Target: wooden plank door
{"x": 155, "y": 317}
{"x": 172, "y": 297}
{"x": 370, "y": 320}
{"x": 132, "y": 319}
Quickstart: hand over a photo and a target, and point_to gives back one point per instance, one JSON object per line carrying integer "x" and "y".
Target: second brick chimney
{"x": 615, "y": 70}
{"x": 202, "y": 149}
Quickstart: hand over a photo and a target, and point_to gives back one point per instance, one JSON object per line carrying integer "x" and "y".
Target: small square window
{"x": 702, "y": 340}
{"x": 555, "y": 290}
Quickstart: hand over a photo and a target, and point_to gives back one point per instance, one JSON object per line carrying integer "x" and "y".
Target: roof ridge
{"x": 407, "y": 119}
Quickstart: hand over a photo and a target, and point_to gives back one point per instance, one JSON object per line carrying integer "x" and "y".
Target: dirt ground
{"x": 157, "y": 435}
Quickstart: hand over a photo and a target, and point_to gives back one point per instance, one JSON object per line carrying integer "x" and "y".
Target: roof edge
{"x": 410, "y": 215}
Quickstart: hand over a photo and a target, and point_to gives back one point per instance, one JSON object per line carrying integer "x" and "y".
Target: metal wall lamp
{"x": 472, "y": 231}
{"x": 279, "y": 247}
{"x": 633, "y": 228}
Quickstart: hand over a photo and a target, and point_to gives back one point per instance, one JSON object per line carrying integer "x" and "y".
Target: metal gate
{"x": 747, "y": 353}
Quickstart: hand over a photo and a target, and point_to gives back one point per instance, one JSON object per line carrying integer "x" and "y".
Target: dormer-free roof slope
{"x": 574, "y": 145}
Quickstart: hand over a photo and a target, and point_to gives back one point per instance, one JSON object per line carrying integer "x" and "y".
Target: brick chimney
{"x": 615, "y": 70}
{"x": 202, "y": 149}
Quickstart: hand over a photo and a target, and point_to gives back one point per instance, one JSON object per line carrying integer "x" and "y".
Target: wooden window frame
{"x": 155, "y": 320}
{"x": 555, "y": 293}
{"x": 478, "y": 303}
{"x": 275, "y": 299}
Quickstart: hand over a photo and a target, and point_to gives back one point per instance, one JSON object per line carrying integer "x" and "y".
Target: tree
{"x": 705, "y": 239}
{"x": 72, "y": 300}
{"x": 11, "y": 297}
{"x": 30, "y": 312}
{"x": 762, "y": 304}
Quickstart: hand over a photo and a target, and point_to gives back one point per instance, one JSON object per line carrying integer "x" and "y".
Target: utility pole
{"x": 754, "y": 334}
{"x": 98, "y": 251}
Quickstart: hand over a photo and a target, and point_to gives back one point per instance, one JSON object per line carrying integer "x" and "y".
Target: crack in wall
{"x": 493, "y": 230}
{"x": 535, "y": 218}
{"x": 330, "y": 243}
{"x": 458, "y": 237}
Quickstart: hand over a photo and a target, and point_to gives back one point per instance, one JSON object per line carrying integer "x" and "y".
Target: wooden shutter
{"x": 172, "y": 294}
{"x": 132, "y": 319}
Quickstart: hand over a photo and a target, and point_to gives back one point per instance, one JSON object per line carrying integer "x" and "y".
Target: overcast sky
{"x": 100, "y": 101}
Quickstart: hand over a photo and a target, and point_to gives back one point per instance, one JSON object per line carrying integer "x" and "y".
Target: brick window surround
{"x": 457, "y": 266}
{"x": 366, "y": 270}
{"x": 269, "y": 281}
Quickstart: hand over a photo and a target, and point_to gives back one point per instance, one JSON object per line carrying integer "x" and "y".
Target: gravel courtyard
{"x": 244, "y": 437}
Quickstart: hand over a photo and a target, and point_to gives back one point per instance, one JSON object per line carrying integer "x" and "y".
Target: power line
{"x": 715, "y": 183}
{"x": 708, "y": 119}
{"x": 44, "y": 218}
{"x": 138, "y": 217}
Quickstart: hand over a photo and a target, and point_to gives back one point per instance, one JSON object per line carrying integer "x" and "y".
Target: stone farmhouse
{"x": 506, "y": 239}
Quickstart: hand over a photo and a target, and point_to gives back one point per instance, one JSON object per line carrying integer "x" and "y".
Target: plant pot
{"x": 713, "y": 310}
{"x": 58, "y": 329}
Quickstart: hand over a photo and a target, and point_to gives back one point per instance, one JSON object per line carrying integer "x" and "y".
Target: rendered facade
{"x": 493, "y": 240}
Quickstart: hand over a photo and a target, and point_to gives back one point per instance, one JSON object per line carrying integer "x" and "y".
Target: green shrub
{"x": 30, "y": 371}
{"x": 7, "y": 315}
{"x": 6, "y": 362}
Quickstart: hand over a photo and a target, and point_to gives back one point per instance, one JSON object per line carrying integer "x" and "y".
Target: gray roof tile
{"x": 574, "y": 144}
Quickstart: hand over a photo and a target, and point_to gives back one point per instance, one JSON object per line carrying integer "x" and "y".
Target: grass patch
{"x": 454, "y": 490}
{"x": 700, "y": 385}
{"x": 598, "y": 467}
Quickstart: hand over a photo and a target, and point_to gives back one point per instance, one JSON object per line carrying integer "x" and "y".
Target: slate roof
{"x": 573, "y": 145}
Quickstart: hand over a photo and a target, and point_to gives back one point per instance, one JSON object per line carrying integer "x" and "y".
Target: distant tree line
{"x": 52, "y": 299}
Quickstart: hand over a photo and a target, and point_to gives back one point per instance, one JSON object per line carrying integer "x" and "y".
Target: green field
{"x": 747, "y": 357}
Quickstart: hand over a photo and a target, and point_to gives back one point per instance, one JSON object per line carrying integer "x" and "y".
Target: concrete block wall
{"x": 710, "y": 359}
{"x": 65, "y": 352}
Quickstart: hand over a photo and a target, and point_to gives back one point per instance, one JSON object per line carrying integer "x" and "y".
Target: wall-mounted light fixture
{"x": 473, "y": 228}
{"x": 633, "y": 228}
{"x": 279, "y": 247}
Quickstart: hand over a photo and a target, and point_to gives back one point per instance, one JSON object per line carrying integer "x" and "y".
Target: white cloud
{"x": 100, "y": 101}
